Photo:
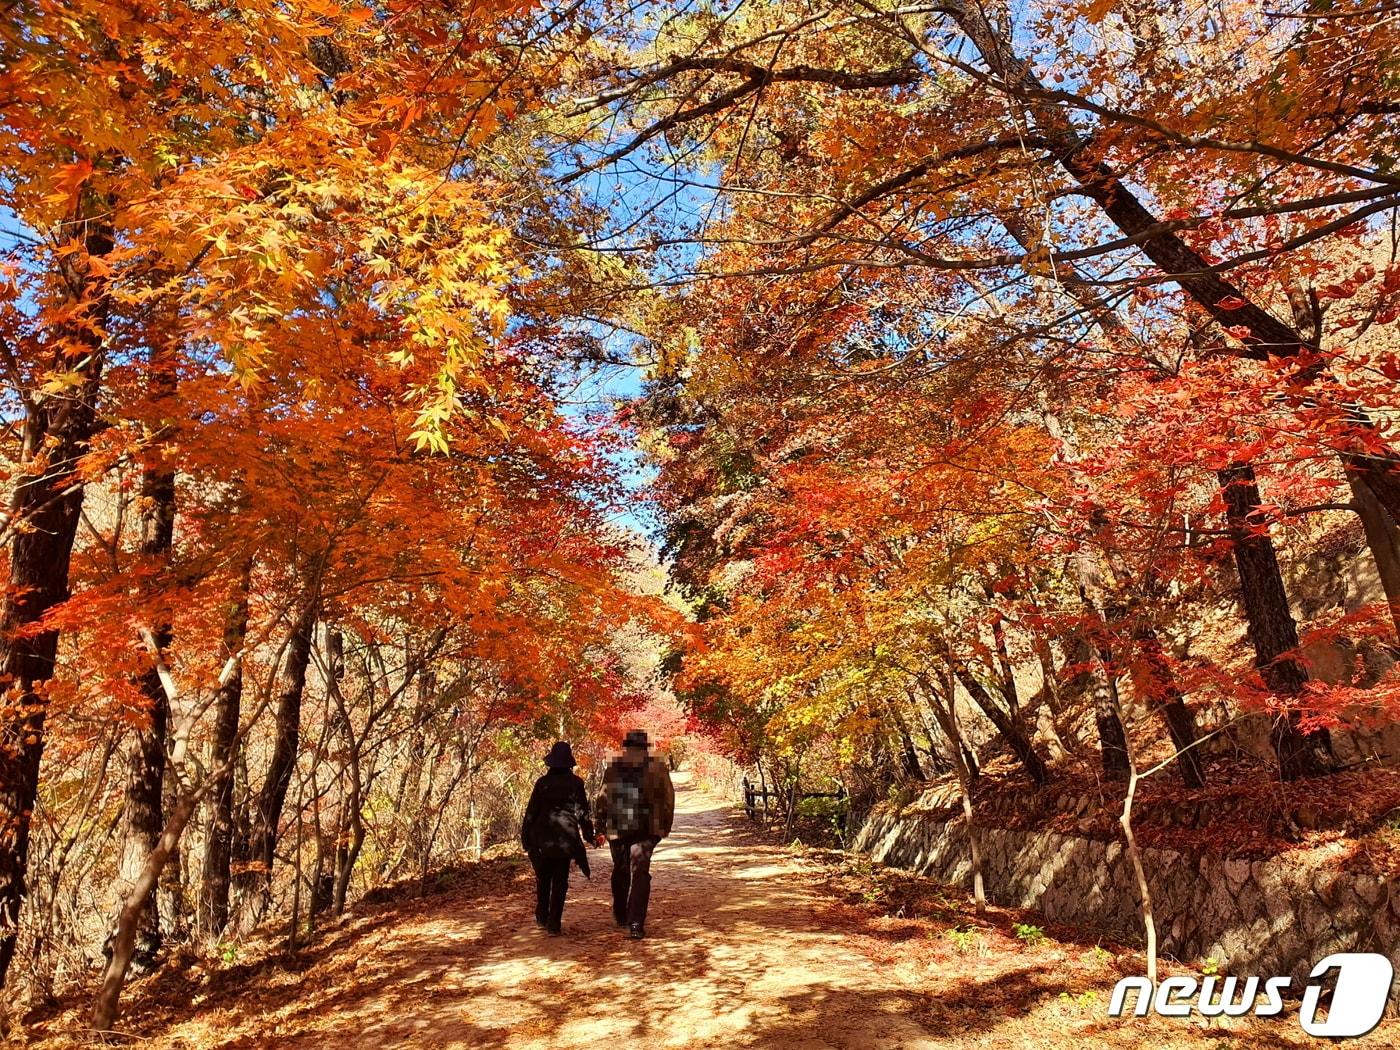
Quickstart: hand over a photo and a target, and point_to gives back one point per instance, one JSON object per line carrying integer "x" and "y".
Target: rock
{"x": 1346, "y": 916}
{"x": 1237, "y": 948}
{"x": 1280, "y": 907}
{"x": 1249, "y": 901}
{"x": 1285, "y": 950}
{"x": 1236, "y": 872}
{"x": 1369, "y": 889}
{"x": 1324, "y": 884}
{"x": 1314, "y": 918}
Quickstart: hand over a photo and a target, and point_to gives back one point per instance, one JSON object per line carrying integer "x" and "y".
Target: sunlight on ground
{"x": 747, "y": 947}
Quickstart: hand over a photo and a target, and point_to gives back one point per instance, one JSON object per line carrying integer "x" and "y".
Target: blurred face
{"x": 634, "y": 755}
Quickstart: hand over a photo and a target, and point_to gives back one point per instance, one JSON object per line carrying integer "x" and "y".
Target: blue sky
{"x": 657, "y": 188}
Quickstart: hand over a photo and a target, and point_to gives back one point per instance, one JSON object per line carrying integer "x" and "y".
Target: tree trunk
{"x": 1156, "y": 681}
{"x": 1382, "y": 537}
{"x": 947, "y": 717}
{"x": 349, "y": 854}
{"x": 1384, "y": 540}
{"x": 170, "y": 893}
{"x": 794, "y": 794}
{"x": 142, "y": 821}
{"x": 1007, "y": 725}
{"x": 141, "y": 816}
{"x": 425, "y": 816}
{"x": 908, "y": 754}
{"x": 1113, "y": 738}
{"x": 267, "y": 807}
{"x": 1265, "y": 336}
{"x": 352, "y": 831}
{"x": 936, "y": 761}
{"x": 410, "y": 776}
{"x": 1007, "y": 672}
{"x": 1145, "y": 908}
{"x": 350, "y": 827}
{"x": 46, "y": 503}
{"x": 213, "y": 902}
{"x": 294, "y": 920}
{"x": 1043, "y": 710}
{"x": 1096, "y": 647}
{"x": 104, "y": 1011}
{"x": 1272, "y": 630}
{"x": 406, "y": 812}
{"x": 1163, "y": 692}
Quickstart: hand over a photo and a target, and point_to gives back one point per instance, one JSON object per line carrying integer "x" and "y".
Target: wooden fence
{"x": 753, "y": 795}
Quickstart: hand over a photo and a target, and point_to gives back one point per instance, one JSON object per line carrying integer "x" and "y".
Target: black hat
{"x": 636, "y": 738}
{"x": 560, "y": 756}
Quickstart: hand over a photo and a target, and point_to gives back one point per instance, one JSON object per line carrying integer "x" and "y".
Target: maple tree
{"x": 1010, "y": 369}
{"x": 268, "y": 418}
{"x": 1022, "y": 217}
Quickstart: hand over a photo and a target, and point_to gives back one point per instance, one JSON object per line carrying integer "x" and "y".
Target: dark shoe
{"x": 554, "y": 931}
{"x": 620, "y": 920}
{"x": 635, "y": 931}
{"x": 539, "y": 922}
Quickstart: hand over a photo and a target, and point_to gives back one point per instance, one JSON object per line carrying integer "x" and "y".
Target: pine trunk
{"x": 1272, "y": 630}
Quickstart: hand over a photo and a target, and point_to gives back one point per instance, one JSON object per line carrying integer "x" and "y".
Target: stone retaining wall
{"x": 1269, "y": 917}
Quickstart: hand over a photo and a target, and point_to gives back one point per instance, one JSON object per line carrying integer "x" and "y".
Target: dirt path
{"x": 735, "y": 957}
{"x": 750, "y": 945}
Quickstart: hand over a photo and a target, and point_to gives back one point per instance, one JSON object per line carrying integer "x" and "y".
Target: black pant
{"x": 551, "y": 886}
{"x": 631, "y": 878}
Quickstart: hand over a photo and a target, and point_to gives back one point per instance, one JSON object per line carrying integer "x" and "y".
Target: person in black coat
{"x": 554, "y": 831}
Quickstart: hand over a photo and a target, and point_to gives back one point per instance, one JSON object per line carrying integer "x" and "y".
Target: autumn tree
{"x": 263, "y": 395}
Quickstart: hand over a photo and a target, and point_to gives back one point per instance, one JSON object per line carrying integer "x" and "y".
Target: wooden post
{"x": 763, "y": 785}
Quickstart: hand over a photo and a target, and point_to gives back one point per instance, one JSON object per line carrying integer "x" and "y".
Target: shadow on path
{"x": 747, "y": 947}
{"x": 736, "y": 955}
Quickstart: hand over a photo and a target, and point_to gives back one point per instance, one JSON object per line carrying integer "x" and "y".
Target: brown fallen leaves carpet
{"x": 752, "y": 945}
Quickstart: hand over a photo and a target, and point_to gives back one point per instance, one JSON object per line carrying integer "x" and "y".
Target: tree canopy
{"x": 1012, "y": 385}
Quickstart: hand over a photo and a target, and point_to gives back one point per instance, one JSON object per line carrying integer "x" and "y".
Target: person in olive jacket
{"x": 635, "y": 811}
{"x": 554, "y": 831}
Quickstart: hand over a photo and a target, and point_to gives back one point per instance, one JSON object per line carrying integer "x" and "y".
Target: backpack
{"x": 626, "y": 808}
